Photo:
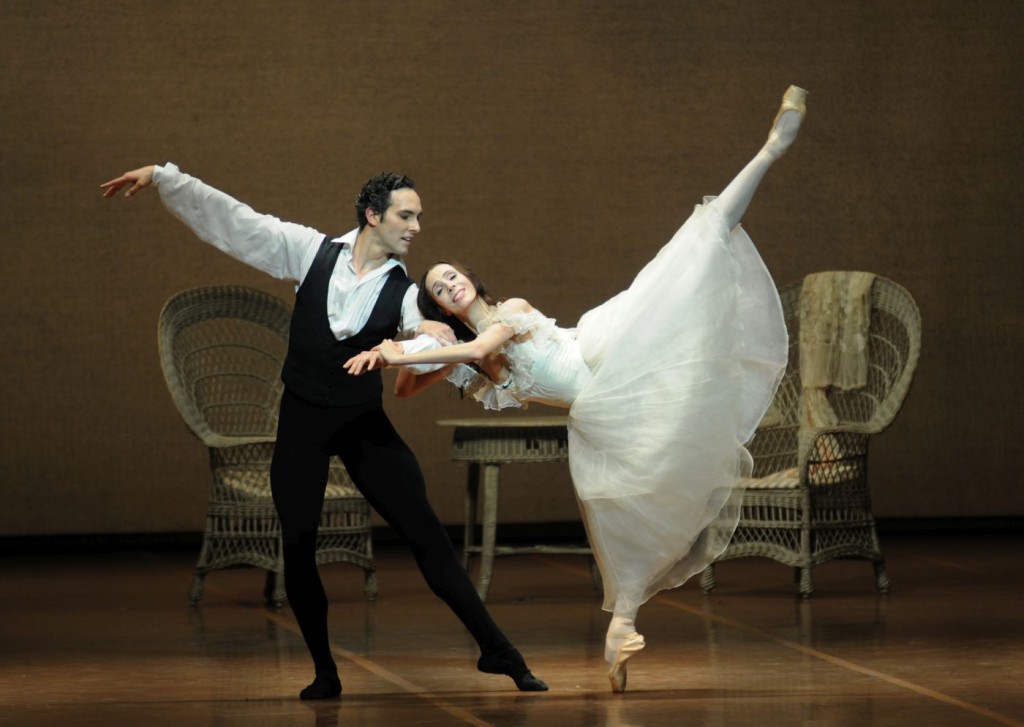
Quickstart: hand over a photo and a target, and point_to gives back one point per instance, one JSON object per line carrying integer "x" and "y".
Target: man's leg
{"x": 298, "y": 477}
{"x": 385, "y": 470}
{"x": 387, "y": 473}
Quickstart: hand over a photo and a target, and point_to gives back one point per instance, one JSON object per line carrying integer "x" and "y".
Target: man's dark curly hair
{"x": 376, "y": 194}
{"x": 432, "y": 311}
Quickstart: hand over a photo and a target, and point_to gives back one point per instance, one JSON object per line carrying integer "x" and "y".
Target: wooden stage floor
{"x": 108, "y": 639}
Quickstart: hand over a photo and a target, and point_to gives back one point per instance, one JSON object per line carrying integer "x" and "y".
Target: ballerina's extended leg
{"x": 621, "y": 643}
{"x": 735, "y": 198}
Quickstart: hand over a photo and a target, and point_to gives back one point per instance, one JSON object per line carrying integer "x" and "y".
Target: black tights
{"x": 386, "y": 472}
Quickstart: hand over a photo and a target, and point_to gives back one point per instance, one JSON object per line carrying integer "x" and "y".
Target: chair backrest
{"x": 894, "y": 346}
{"x": 221, "y": 349}
{"x": 776, "y": 443}
{"x": 787, "y": 398}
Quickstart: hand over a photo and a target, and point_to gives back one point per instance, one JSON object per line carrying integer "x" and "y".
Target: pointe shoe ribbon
{"x": 617, "y": 671}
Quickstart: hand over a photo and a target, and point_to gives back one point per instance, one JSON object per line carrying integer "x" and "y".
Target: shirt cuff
{"x": 422, "y": 342}
{"x": 160, "y": 172}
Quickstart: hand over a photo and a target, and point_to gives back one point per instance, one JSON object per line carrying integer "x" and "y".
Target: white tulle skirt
{"x": 686, "y": 362}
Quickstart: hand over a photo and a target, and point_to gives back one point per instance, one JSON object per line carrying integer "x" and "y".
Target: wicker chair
{"x": 221, "y": 350}
{"x": 808, "y": 504}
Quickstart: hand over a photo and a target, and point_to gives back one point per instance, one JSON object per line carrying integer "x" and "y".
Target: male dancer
{"x": 353, "y": 291}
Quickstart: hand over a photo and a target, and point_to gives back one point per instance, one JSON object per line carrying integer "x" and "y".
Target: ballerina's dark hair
{"x": 432, "y": 311}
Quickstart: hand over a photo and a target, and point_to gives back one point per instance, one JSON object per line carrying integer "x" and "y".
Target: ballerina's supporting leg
{"x": 621, "y": 642}
{"x": 735, "y": 198}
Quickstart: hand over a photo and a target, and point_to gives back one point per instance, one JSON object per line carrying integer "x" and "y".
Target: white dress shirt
{"x": 286, "y": 251}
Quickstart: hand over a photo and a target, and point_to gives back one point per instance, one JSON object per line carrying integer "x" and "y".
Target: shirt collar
{"x": 348, "y": 241}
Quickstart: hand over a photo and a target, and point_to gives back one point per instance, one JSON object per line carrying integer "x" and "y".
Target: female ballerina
{"x": 664, "y": 383}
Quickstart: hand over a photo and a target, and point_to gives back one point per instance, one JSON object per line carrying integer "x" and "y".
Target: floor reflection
{"x": 942, "y": 649}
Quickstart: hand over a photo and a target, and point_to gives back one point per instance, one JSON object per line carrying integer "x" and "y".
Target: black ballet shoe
{"x": 326, "y": 685}
{"x": 511, "y": 663}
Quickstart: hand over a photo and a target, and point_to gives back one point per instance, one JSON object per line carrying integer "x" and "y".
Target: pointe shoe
{"x": 511, "y": 663}
{"x": 785, "y": 127}
{"x": 617, "y": 670}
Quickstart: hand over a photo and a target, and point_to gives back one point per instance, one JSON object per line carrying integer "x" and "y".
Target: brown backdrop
{"x": 556, "y": 147}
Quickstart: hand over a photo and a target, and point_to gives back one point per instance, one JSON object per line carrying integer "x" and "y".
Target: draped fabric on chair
{"x": 221, "y": 350}
{"x": 808, "y": 500}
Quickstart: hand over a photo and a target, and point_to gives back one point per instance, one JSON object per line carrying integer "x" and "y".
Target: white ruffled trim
{"x": 494, "y": 397}
{"x": 519, "y": 321}
{"x": 541, "y": 331}
{"x": 468, "y": 379}
{"x": 491, "y": 395}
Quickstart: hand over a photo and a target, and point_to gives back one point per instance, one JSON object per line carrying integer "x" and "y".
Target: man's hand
{"x": 441, "y": 332}
{"x": 389, "y": 350}
{"x": 363, "y": 362}
{"x": 139, "y": 179}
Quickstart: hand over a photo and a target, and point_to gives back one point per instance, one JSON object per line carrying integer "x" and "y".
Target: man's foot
{"x": 511, "y": 663}
{"x": 326, "y": 685}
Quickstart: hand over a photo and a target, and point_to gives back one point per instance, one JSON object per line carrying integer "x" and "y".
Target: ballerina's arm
{"x": 487, "y": 342}
{"x": 408, "y": 383}
{"x": 493, "y": 338}
{"x": 391, "y": 354}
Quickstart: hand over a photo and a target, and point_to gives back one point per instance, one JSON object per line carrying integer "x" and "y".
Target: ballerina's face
{"x": 450, "y": 289}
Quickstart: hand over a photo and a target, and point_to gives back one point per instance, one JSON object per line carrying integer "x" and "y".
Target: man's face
{"x": 400, "y": 223}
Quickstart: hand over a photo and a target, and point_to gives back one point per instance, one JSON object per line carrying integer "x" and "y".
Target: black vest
{"x": 313, "y": 368}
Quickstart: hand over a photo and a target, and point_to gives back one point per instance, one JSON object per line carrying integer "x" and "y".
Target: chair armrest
{"x": 774, "y": 448}
{"x": 218, "y": 441}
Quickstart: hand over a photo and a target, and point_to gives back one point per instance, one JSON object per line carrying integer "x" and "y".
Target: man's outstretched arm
{"x": 282, "y": 249}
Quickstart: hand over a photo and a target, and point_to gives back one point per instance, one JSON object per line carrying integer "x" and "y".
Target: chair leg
{"x": 370, "y": 584}
{"x": 881, "y": 577}
{"x": 707, "y": 579}
{"x": 273, "y": 590}
{"x": 806, "y": 582}
{"x": 268, "y": 586}
{"x": 492, "y": 475}
{"x": 195, "y": 591}
{"x": 807, "y": 541}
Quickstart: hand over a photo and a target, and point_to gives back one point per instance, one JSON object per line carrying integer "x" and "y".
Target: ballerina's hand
{"x": 363, "y": 362}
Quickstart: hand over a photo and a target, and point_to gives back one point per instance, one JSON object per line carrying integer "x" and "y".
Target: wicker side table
{"x": 490, "y": 443}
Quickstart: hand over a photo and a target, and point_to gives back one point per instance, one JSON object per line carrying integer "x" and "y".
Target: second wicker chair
{"x": 808, "y": 500}
{"x": 221, "y": 350}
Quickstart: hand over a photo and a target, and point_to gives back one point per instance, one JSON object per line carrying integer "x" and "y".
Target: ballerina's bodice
{"x": 544, "y": 362}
